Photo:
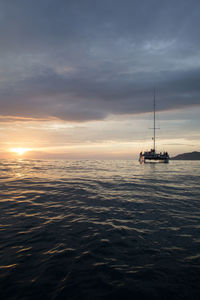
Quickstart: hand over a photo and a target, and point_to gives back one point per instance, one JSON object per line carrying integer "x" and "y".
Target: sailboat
{"x": 152, "y": 155}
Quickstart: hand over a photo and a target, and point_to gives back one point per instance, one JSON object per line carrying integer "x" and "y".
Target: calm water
{"x": 99, "y": 230}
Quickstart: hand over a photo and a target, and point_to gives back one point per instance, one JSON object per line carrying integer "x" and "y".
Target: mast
{"x": 154, "y": 122}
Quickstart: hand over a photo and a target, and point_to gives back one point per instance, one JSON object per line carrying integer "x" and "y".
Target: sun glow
{"x": 20, "y": 151}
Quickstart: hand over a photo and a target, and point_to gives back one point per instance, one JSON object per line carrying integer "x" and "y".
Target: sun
{"x": 20, "y": 151}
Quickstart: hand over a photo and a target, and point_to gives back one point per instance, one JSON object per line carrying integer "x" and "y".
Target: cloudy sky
{"x": 77, "y": 77}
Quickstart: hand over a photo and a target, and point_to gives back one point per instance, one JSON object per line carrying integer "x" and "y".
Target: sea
{"x": 99, "y": 229}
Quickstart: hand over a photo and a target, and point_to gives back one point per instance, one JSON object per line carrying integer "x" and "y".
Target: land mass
{"x": 187, "y": 156}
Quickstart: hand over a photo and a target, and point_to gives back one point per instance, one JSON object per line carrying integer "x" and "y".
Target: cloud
{"x": 84, "y": 60}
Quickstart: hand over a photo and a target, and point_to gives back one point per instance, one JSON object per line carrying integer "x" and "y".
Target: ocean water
{"x": 99, "y": 230}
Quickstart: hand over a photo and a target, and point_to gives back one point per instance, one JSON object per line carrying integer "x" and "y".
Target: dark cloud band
{"x": 84, "y": 60}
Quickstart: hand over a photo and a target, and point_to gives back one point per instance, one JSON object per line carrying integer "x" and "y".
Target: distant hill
{"x": 187, "y": 156}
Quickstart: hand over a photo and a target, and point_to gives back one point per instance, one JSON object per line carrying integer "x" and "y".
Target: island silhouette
{"x": 195, "y": 155}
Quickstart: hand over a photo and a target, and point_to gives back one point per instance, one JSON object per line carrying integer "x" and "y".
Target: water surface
{"x": 99, "y": 230}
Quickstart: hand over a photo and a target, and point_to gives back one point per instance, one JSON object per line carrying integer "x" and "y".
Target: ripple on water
{"x": 99, "y": 230}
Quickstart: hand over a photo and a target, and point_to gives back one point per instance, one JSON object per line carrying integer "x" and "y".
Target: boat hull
{"x": 153, "y": 159}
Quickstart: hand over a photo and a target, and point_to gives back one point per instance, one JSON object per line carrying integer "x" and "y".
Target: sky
{"x": 77, "y": 77}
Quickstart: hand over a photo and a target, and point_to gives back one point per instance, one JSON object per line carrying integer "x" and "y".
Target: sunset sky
{"x": 77, "y": 77}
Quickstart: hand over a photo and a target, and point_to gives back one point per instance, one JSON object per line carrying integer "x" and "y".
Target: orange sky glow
{"x": 121, "y": 137}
